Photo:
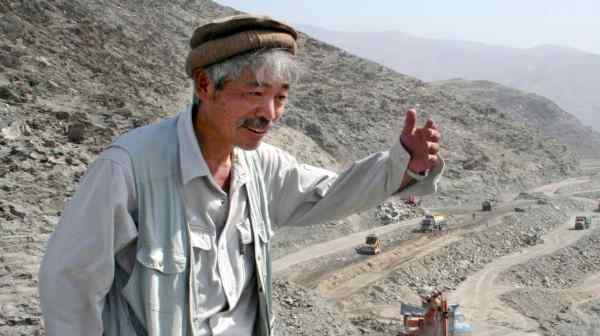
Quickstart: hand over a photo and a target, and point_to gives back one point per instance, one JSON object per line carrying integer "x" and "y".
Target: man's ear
{"x": 202, "y": 85}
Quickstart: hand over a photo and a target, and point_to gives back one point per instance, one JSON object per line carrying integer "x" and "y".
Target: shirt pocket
{"x": 158, "y": 280}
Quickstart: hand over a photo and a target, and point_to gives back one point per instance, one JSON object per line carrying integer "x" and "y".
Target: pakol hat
{"x": 230, "y": 36}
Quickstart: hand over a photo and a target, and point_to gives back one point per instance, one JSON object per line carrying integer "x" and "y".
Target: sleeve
{"x": 306, "y": 195}
{"x": 78, "y": 267}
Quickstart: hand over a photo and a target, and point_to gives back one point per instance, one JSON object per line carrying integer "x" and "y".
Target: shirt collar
{"x": 191, "y": 159}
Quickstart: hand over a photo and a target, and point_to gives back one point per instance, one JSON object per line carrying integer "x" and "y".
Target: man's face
{"x": 242, "y": 112}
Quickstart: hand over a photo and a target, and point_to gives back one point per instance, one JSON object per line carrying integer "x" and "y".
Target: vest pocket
{"x": 162, "y": 260}
{"x": 158, "y": 281}
{"x": 265, "y": 233}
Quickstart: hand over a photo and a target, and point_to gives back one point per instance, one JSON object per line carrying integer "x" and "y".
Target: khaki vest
{"x": 154, "y": 299}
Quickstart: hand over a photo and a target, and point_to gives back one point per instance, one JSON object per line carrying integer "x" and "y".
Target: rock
{"x": 76, "y": 133}
{"x": 6, "y": 93}
{"x": 62, "y": 115}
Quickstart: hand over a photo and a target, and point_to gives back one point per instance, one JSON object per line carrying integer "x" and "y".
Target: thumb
{"x": 410, "y": 121}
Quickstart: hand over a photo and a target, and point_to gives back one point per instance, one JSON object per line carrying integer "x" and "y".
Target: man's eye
{"x": 282, "y": 97}
{"x": 255, "y": 93}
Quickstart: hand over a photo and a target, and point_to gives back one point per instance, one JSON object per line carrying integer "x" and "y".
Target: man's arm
{"x": 78, "y": 268}
{"x": 304, "y": 195}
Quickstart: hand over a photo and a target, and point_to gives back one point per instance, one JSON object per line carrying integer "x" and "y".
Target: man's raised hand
{"x": 422, "y": 144}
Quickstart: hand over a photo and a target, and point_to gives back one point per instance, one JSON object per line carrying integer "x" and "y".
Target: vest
{"x": 154, "y": 298}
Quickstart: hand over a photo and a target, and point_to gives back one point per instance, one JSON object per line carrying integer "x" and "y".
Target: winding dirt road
{"x": 479, "y": 295}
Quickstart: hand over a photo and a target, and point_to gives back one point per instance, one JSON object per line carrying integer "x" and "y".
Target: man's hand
{"x": 422, "y": 144}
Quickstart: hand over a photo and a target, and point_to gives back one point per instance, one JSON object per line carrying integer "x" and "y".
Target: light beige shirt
{"x": 105, "y": 204}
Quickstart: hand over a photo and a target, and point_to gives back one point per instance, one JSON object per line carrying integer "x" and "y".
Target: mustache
{"x": 256, "y": 123}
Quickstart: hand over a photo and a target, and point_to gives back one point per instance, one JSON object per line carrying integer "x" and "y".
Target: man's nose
{"x": 268, "y": 109}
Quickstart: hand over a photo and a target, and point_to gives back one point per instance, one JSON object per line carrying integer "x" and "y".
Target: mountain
{"x": 532, "y": 109}
{"x": 567, "y": 76}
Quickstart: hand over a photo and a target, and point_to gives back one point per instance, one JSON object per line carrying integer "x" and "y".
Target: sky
{"x": 514, "y": 23}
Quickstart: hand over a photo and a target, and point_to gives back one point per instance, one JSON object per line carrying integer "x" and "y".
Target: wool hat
{"x": 230, "y": 36}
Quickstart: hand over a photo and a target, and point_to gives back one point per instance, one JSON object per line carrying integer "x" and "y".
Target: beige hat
{"x": 230, "y": 36}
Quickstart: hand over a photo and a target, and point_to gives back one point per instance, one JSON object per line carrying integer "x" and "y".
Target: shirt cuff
{"x": 399, "y": 159}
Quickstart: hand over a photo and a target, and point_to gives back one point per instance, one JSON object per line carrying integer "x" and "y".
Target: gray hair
{"x": 265, "y": 64}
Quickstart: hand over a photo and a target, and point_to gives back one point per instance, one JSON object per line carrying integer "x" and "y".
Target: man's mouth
{"x": 257, "y": 131}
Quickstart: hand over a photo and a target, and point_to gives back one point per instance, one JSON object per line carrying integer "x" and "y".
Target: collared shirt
{"x": 97, "y": 229}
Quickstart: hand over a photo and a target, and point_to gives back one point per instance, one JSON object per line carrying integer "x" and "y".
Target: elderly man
{"x": 169, "y": 232}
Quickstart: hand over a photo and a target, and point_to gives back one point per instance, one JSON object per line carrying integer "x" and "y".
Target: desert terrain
{"x": 76, "y": 74}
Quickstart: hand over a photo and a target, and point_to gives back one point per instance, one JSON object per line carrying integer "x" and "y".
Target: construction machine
{"x": 411, "y": 200}
{"x": 433, "y": 223}
{"x": 582, "y": 222}
{"x": 372, "y": 245}
{"x": 434, "y": 318}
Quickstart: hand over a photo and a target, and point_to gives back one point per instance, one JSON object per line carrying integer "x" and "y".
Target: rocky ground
{"x": 556, "y": 284}
{"x": 75, "y": 74}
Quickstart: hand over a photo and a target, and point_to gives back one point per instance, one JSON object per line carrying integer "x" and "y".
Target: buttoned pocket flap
{"x": 201, "y": 240}
{"x": 162, "y": 260}
{"x": 245, "y": 230}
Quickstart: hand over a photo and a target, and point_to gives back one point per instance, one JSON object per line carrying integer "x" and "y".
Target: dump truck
{"x": 582, "y": 222}
{"x": 372, "y": 245}
{"x": 435, "y": 317}
{"x": 433, "y": 223}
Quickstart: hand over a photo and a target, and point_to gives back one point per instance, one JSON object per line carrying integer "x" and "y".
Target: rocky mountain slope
{"x": 532, "y": 109}
{"x": 74, "y": 74}
{"x": 567, "y": 76}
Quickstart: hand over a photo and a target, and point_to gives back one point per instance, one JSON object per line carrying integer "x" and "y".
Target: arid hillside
{"x": 74, "y": 74}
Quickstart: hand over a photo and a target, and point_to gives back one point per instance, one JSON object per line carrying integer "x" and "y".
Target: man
{"x": 169, "y": 232}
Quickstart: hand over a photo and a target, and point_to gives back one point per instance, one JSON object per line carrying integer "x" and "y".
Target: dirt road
{"x": 333, "y": 246}
{"x": 479, "y": 295}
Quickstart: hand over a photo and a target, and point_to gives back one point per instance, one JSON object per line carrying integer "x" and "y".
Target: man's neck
{"x": 217, "y": 154}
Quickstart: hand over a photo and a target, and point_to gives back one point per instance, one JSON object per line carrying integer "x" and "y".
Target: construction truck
{"x": 434, "y": 318}
{"x": 372, "y": 246}
{"x": 582, "y": 222}
{"x": 433, "y": 223}
{"x": 486, "y": 206}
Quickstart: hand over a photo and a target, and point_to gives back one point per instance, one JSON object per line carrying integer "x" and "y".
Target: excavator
{"x": 434, "y": 318}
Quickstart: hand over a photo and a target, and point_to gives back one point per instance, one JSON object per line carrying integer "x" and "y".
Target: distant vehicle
{"x": 486, "y": 206}
{"x": 434, "y": 223}
{"x": 372, "y": 246}
{"x": 518, "y": 209}
{"x": 582, "y": 222}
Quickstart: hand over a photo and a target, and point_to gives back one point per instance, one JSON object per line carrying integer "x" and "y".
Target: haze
{"x": 511, "y": 23}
